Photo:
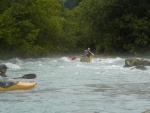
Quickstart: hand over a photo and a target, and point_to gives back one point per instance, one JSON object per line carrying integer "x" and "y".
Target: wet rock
{"x": 148, "y": 111}
{"x": 129, "y": 62}
{"x": 141, "y": 67}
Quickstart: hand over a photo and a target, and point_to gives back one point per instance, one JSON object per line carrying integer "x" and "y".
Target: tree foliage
{"x": 31, "y": 27}
{"x": 34, "y": 28}
{"x": 117, "y": 25}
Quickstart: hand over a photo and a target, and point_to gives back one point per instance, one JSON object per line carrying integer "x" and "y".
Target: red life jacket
{"x": 88, "y": 52}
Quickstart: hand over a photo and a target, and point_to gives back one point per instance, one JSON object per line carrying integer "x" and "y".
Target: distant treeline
{"x": 38, "y": 28}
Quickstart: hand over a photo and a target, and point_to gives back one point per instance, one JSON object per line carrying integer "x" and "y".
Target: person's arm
{"x": 92, "y": 53}
{"x": 9, "y": 81}
{"x": 2, "y": 82}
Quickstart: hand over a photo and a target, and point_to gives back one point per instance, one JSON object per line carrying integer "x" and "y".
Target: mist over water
{"x": 71, "y": 86}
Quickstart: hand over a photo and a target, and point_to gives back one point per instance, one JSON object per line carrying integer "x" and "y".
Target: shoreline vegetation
{"x": 35, "y": 28}
{"x": 70, "y": 55}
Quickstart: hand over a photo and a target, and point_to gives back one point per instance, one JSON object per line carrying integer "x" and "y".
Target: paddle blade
{"x": 92, "y": 53}
{"x": 27, "y": 76}
{"x": 73, "y": 58}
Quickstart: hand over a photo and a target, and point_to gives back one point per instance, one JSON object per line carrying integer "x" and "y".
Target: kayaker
{"x": 89, "y": 53}
{"x": 4, "y": 80}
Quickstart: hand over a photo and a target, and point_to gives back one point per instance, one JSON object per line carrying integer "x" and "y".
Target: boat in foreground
{"x": 85, "y": 59}
{"x": 19, "y": 86}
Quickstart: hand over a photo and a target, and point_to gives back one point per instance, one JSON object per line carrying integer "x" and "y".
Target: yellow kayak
{"x": 19, "y": 86}
{"x": 85, "y": 59}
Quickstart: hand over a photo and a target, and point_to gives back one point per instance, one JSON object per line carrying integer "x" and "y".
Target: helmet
{"x": 3, "y": 66}
{"x": 88, "y": 48}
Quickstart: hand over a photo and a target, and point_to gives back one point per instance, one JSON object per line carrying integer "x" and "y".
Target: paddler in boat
{"x": 89, "y": 53}
{"x": 4, "y": 80}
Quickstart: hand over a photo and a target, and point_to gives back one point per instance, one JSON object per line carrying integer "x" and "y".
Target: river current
{"x": 71, "y": 86}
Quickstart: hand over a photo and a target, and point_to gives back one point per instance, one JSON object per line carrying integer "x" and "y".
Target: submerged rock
{"x": 141, "y": 67}
{"x": 148, "y": 111}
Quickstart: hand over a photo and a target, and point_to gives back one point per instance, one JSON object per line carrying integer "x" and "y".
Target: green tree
{"x": 115, "y": 26}
{"x": 77, "y": 2}
{"x": 31, "y": 28}
{"x": 130, "y": 23}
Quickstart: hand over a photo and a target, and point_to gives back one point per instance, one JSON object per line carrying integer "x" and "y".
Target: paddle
{"x": 92, "y": 53}
{"x": 27, "y": 76}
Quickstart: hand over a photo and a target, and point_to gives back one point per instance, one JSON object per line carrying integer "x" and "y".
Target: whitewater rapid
{"x": 70, "y": 86}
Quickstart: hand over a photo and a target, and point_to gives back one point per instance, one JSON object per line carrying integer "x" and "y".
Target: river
{"x": 71, "y": 86}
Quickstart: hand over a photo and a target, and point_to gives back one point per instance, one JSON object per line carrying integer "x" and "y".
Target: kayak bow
{"x": 85, "y": 59}
{"x": 19, "y": 86}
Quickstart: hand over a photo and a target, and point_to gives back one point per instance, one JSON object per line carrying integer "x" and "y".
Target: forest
{"x": 41, "y": 28}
